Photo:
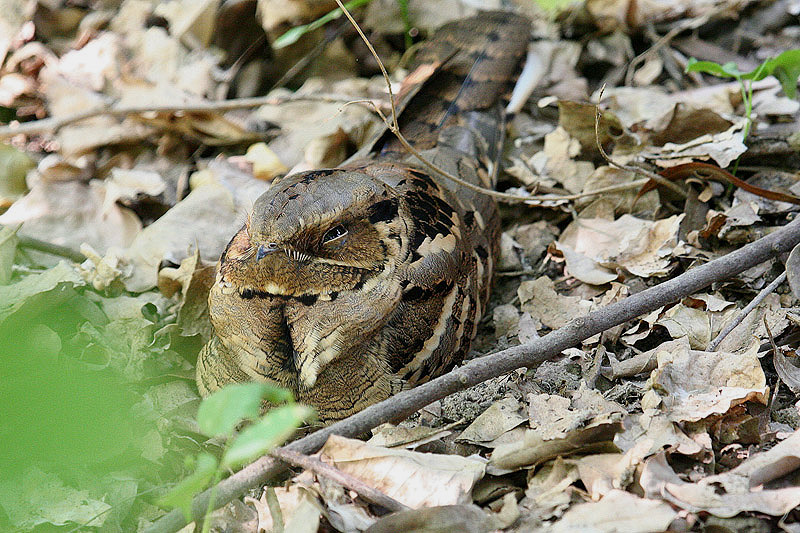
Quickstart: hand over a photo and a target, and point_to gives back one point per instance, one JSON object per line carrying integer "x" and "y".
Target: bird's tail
{"x": 459, "y": 83}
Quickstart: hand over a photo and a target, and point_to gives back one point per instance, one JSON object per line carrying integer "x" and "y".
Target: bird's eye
{"x": 336, "y": 232}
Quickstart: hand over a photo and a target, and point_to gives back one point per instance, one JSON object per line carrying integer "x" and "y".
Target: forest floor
{"x": 135, "y": 136}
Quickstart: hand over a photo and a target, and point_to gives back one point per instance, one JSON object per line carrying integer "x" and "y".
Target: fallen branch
{"x": 321, "y": 468}
{"x": 53, "y": 124}
{"x": 484, "y": 368}
{"x": 766, "y": 291}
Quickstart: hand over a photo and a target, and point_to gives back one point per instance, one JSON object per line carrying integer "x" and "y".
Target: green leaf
{"x": 267, "y": 433}
{"x": 728, "y": 70}
{"x": 180, "y": 497}
{"x": 554, "y": 7}
{"x": 223, "y": 410}
{"x": 14, "y": 296}
{"x": 785, "y": 67}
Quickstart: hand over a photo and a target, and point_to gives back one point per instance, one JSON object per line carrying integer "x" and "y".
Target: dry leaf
{"x": 641, "y": 247}
{"x": 539, "y": 298}
{"x": 389, "y": 436}
{"x": 298, "y": 507}
{"x": 193, "y": 278}
{"x": 593, "y": 436}
{"x": 787, "y": 371}
{"x": 745, "y": 488}
{"x": 266, "y": 164}
{"x": 415, "y": 479}
{"x": 461, "y": 518}
{"x": 502, "y": 416}
{"x": 691, "y": 385}
{"x": 204, "y": 220}
{"x": 71, "y": 213}
{"x": 689, "y": 322}
{"x": 549, "y": 488}
{"x": 750, "y": 333}
{"x": 302, "y": 123}
{"x": 617, "y": 511}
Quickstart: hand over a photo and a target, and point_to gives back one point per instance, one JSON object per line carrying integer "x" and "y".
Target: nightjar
{"x": 349, "y": 284}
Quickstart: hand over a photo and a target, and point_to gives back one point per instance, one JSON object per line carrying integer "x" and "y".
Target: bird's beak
{"x": 265, "y": 249}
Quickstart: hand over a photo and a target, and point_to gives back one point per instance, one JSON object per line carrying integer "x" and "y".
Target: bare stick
{"x": 321, "y": 468}
{"x": 481, "y": 369}
{"x": 53, "y": 124}
{"x": 766, "y": 291}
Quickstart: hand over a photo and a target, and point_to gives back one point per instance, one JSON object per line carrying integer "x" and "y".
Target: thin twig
{"x": 598, "y": 114}
{"x": 53, "y": 124}
{"x": 689, "y": 24}
{"x": 320, "y": 468}
{"x": 766, "y": 291}
{"x": 604, "y": 190}
{"x": 532, "y": 199}
{"x": 481, "y": 369}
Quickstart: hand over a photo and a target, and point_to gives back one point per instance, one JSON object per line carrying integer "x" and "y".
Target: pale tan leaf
{"x": 548, "y": 492}
{"x": 461, "y": 518}
{"x": 617, "y": 511}
{"x": 266, "y": 165}
{"x": 793, "y": 271}
{"x": 502, "y": 416}
{"x": 389, "y": 436}
{"x": 788, "y": 372}
{"x": 689, "y": 322}
{"x": 642, "y": 247}
{"x": 594, "y": 437}
{"x": 539, "y": 298}
{"x": 71, "y": 213}
{"x": 415, "y": 479}
{"x": 691, "y": 385}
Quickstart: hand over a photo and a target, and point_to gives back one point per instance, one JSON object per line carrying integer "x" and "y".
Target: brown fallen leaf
{"x": 691, "y": 385}
{"x": 413, "y": 478}
{"x": 462, "y": 518}
{"x": 617, "y": 511}
{"x": 745, "y": 488}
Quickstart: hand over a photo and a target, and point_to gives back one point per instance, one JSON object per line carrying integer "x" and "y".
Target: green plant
{"x": 785, "y": 67}
{"x": 218, "y": 416}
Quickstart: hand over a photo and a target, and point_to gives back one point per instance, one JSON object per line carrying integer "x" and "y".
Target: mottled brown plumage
{"x": 347, "y": 285}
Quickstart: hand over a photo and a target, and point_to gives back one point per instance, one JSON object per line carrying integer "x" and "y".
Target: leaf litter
{"x": 641, "y": 428}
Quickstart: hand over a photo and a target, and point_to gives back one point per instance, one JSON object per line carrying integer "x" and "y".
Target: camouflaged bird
{"x": 349, "y": 284}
